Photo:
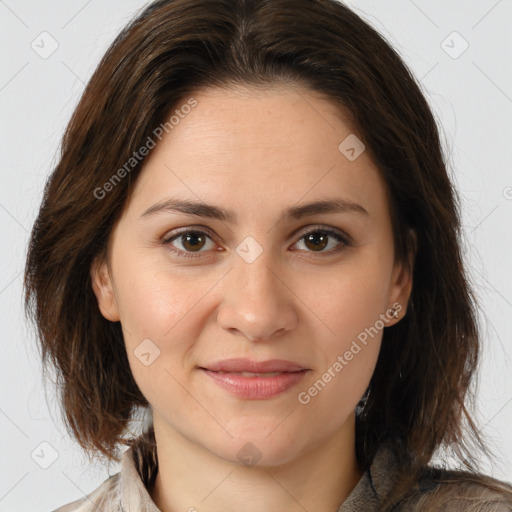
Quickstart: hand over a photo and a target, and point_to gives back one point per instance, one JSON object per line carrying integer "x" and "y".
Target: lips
{"x": 240, "y": 365}
{"x": 255, "y": 380}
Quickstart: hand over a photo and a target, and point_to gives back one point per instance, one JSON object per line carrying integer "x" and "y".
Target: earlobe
{"x": 103, "y": 289}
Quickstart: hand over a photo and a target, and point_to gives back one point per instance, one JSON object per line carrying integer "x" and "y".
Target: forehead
{"x": 283, "y": 117}
{"x": 272, "y": 145}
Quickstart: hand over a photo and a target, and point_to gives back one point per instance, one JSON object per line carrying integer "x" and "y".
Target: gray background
{"x": 470, "y": 92}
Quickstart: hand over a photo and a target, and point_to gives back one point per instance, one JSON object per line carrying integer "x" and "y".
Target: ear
{"x": 103, "y": 289}
{"x": 401, "y": 284}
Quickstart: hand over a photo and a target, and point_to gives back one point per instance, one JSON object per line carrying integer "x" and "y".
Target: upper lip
{"x": 247, "y": 365}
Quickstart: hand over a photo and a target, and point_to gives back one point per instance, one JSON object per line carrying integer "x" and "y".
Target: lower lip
{"x": 255, "y": 387}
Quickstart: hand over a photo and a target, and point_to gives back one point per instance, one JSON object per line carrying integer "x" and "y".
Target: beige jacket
{"x": 126, "y": 491}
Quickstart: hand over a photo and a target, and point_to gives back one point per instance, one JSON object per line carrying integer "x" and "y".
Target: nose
{"x": 257, "y": 302}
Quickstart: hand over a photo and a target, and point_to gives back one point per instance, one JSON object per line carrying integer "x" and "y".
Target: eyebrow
{"x": 200, "y": 209}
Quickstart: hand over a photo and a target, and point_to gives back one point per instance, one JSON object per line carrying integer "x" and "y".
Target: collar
{"x": 375, "y": 483}
{"x": 139, "y": 465}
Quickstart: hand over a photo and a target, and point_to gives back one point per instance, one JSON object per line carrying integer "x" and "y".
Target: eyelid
{"x": 327, "y": 229}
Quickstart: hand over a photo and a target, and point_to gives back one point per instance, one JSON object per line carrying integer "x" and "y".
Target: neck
{"x": 192, "y": 478}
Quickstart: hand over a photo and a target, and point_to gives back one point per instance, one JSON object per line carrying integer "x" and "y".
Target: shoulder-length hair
{"x": 420, "y": 391}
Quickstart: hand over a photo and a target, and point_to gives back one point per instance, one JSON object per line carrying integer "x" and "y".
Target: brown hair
{"x": 420, "y": 389}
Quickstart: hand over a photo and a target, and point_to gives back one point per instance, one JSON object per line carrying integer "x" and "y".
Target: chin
{"x": 260, "y": 451}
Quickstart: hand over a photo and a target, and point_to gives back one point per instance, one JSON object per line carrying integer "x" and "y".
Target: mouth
{"x": 241, "y": 365}
{"x": 250, "y": 374}
{"x": 241, "y": 378}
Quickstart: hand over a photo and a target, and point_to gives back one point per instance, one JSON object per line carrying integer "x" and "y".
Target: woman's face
{"x": 259, "y": 276}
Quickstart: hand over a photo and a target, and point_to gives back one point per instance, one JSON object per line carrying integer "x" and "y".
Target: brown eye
{"x": 191, "y": 241}
{"x": 316, "y": 241}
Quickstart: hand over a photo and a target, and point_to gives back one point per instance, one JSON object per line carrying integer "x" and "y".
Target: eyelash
{"x": 317, "y": 229}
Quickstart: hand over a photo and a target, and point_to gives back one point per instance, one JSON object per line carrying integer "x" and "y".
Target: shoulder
{"x": 400, "y": 488}
{"x": 450, "y": 491}
{"x": 104, "y": 498}
{"x": 126, "y": 489}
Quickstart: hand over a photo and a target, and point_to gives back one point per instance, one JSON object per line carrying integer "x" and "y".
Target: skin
{"x": 255, "y": 152}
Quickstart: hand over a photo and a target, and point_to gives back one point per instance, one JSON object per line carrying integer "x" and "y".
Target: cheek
{"x": 152, "y": 300}
{"x": 336, "y": 387}
{"x": 350, "y": 308}
{"x": 160, "y": 328}
{"x": 162, "y": 312}
{"x": 351, "y": 299}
